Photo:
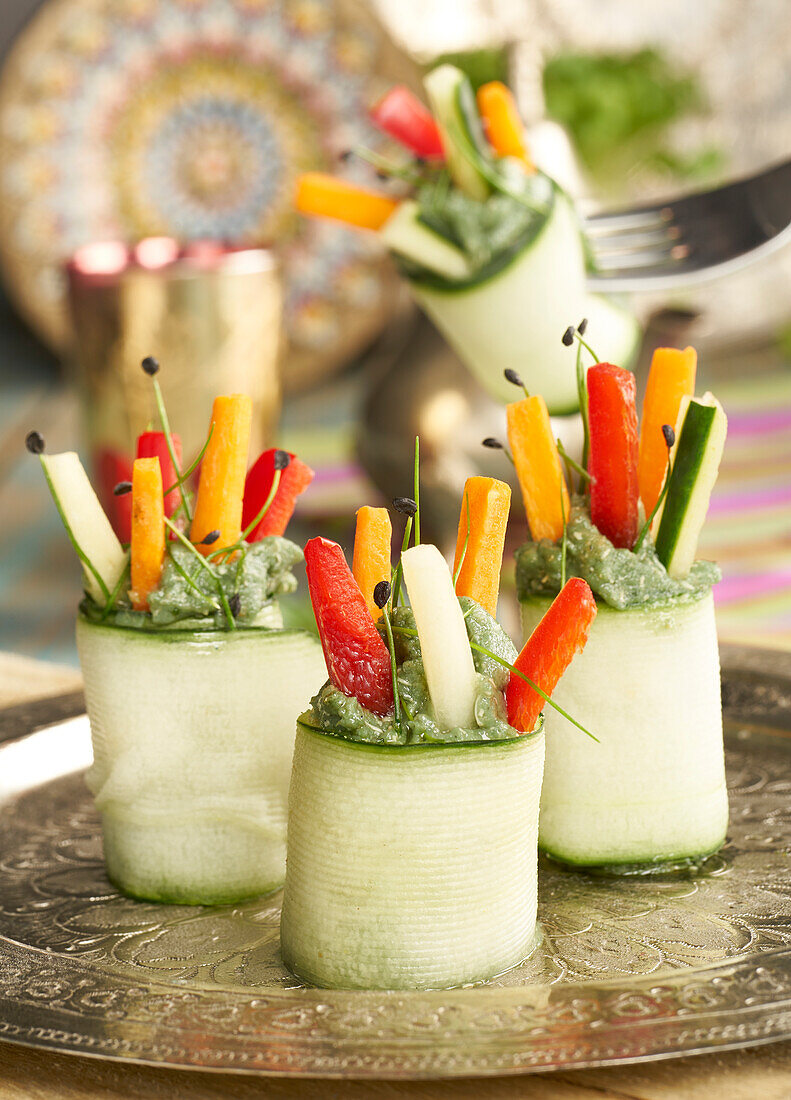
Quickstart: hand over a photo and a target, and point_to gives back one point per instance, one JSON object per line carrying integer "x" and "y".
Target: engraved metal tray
{"x": 628, "y": 970}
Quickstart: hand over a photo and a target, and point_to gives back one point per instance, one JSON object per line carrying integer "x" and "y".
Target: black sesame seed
{"x": 207, "y": 540}
{"x": 669, "y": 434}
{"x": 491, "y": 442}
{"x": 235, "y": 604}
{"x": 382, "y": 593}
{"x": 406, "y": 505}
{"x": 34, "y": 441}
{"x": 150, "y": 365}
{"x": 420, "y": 162}
{"x": 122, "y": 488}
{"x": 281, "y": 459}
{"x": 582, "y": 326}
{"x": 512, "y": 377}
{"x": 347, "y": 154}
{"x": 380, "y": 175}
{"x": 568, "y": 336}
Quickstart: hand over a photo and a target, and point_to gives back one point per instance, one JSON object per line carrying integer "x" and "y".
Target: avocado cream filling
{"x": 620, "y": 578}
{"x": 342, "y": 715}
{"x": 188, "y": 592}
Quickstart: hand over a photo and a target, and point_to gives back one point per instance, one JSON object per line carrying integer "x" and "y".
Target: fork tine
{"x": 628, "y": 261}
{"x": 627, "y": 221}
{"x": 644, "y": 240}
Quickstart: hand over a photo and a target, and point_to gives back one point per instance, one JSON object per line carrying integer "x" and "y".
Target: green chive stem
{"x": 571, "y": 464}
{"x": 393, "y": 666}
{"x": 163, "y": 416}
{"x": 582, "y": 397}
{"x": 417, "y": 490}
{"x": 192, "y": 466}
{"x": 466, "y": 541}
{"x": 564, "y": 542}
{"x": 647, "y": 525}
{"x": 264, "y": 507}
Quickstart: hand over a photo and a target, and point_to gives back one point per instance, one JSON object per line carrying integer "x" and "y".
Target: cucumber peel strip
{"x": 86, "y": 561}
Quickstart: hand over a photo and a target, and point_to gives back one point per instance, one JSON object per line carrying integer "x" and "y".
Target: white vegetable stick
{"x": 447, "y": 657}
{"x": 85, "y": 521}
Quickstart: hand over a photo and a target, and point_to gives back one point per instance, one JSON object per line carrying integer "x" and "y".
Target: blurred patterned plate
{"x": 191, "y": 118}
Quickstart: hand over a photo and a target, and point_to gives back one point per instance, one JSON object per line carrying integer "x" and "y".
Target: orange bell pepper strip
{"x": 672, "y": 376}
{"x": 147, "y": 550}
{"x": 479, "y": 547}
{"x": 371, "y": 562}
{"x": 550, "y": 649}
{"x": 538, "y": 467}
{"x": 218, "y": 506}
{"x": 502, "y": 123}
{"x": 325, "y": 196}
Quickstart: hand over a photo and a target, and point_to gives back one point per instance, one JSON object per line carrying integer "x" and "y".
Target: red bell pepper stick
{"x": 547, "y": 653}
{"x": 401, "y": 115}
{"x": 293, "y": 480}
{"x": 154, "y": 445}
{"x": 112, "y": 467}
{"x": 358, "y": 661}
{"x": 614, "y": 445}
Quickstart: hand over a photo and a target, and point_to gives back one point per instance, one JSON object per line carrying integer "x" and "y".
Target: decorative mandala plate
{"x": 628, "y": 970}
{"x": 191, "y": 118}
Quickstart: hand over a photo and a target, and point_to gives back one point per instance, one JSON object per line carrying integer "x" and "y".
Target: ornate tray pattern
{"x": 627, "y": 970}
{"x": 192, "y": 118}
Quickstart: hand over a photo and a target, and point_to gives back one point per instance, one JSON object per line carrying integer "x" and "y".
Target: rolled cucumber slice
{"x": 102, "y": 556}
{"x": 410, "y": 867}
{"x": 652, "y": 791}
{"x": 405, "y": 234}
{"x": 701, "y": 429}
{"x": 192, "y": 738}
{"x": 453, "y": 103}
{"x": 516, "y": 317}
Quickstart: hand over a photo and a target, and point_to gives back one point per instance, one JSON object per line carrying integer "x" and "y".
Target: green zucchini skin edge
{"x": 698, "y": 424}
{"x": 669, "y": 864}
{"x": 423, "y": 746}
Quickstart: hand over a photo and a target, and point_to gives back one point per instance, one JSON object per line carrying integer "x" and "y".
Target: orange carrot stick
{"x": 538, "y": 467}
{"x": 147, "y": 551}
{"x": 221, "y": 487}
{"x": 489, "y": 502}
{"x": 371, "y": 562}
{"x": 327, "y": 197}
{"x": 672, "y": 375}
{"x": 502, "y": 122}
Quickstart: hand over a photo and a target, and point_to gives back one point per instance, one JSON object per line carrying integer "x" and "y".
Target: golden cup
{"x": 210, "y": 314}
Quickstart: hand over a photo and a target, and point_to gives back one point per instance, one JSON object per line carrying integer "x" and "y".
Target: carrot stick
{"x": 147, "y": 551}
{"x": 479, "y": 576}
{"x": 502, "y": 123}
{"x": 538, "y": 467}
{"x": 221, "y": 487}
{"x": 672, "y": 376}
{"x": 327, "y": 197}
{"x": 371, "y": 562}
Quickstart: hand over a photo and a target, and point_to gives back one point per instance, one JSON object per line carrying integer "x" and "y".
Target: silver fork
{"x": 691, "y": 238}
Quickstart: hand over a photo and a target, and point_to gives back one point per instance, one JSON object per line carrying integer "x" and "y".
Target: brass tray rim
{"x": 498, "y": 1051}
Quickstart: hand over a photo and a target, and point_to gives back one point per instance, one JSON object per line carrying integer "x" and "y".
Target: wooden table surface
{"x": 762, "y": 1073}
